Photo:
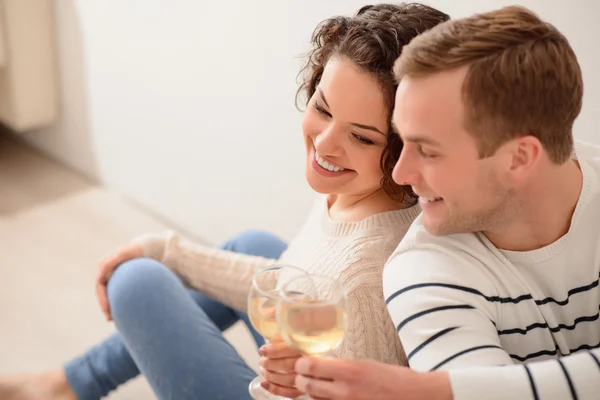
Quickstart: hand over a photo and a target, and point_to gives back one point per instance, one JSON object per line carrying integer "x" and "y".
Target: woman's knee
{"x": 256, "y": 243}
{"x": 135, "y": 279}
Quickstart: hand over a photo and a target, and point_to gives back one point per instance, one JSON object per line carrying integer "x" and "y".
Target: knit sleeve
{"x": 222, "y": 275}
{"x": 576, "y": 376}
{"x": 371, "y": 334}
{"x": 440, "y": 308}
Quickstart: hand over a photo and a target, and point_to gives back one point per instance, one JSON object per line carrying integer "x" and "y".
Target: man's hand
{"x": 340, "y": 379}
{"x": 277, "y": 364}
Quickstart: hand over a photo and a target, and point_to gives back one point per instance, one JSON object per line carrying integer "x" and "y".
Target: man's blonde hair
{"x": 523, "y": 77}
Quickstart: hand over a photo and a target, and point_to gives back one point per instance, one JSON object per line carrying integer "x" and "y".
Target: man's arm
{"x": 576, "y": 376}
{"x": 441, "y": 308}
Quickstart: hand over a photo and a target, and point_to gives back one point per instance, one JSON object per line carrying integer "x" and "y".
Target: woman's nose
{"x": 329, "y": 142}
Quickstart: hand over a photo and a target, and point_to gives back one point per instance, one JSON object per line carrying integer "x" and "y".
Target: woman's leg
{"x": 104, "y": 367}
{"x": 176, "y": 346}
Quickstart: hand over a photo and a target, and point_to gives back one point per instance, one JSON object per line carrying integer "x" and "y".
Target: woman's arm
{"x": 222, "y": 275}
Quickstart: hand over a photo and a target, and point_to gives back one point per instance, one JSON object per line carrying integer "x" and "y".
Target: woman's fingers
{"x": 278, "y": 350}
{"x": 281, "y": 365}
{"x": 278, "y": 390}
{"x": 106, "y": 267}
{"x": 285, "y": 380}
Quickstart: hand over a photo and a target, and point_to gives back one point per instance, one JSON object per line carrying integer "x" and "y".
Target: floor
{"x": 54, "y": 227}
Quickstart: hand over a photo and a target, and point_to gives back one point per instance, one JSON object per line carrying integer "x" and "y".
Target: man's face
{"x": 458, "y": 191}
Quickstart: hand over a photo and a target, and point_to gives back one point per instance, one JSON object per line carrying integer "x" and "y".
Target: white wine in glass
{"x": 262, "y": 303}
{"x": 311, "y": 315}
{"x": 261, "y": 312}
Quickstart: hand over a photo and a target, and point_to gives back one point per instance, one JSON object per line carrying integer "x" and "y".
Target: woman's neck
{"x": 352, "y": 208}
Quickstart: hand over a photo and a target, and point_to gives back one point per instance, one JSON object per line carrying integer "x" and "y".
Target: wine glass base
{"x": 258, "y": 393}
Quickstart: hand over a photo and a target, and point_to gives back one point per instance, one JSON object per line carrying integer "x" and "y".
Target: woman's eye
{"x": 321, "y": 110}
{"x": 362, "y": 139}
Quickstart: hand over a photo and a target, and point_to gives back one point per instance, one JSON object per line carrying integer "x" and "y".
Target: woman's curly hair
{"x": 372, "y": 39}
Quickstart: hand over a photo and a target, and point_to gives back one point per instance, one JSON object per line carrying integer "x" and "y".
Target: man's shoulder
{"x": 588, "y": 156}
{"x": 586, "y": 150}
{"x": 467, "y": 262}
{"x": 456, "y": 258}
{"x": 418, "y": 238}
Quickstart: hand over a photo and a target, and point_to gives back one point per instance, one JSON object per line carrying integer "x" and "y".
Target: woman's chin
{"x": 319, "y": 188}
{"x": 318, "y": 185}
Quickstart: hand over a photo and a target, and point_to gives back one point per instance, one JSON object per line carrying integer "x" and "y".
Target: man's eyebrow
{"x": 415, "y": 138}
{"x": 421, "y": 140}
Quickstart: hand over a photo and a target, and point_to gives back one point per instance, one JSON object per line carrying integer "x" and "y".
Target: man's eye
{"x": 425, "y": 154}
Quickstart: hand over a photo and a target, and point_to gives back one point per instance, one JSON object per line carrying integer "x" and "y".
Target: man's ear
{"x": 525, "y": 153}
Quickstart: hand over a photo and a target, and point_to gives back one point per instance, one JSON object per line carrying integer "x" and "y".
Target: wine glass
{"x": 262, "y": 301}
{"x": 311, "y": 315}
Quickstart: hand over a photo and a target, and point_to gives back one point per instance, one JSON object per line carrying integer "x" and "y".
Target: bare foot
{"x": 51, "y": 385}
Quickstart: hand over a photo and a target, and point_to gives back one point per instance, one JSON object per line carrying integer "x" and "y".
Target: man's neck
{"x": 544, "y": 213}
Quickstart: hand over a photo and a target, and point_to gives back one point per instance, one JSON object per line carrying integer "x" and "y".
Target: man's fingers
{"x": 282, "y": 365}
{"x": 328, "y": 368}
{"x": 278, "y": 350}
{"x": 320, "y": 389}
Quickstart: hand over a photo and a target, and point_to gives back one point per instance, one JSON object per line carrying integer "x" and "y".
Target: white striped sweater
{"x": 461, "y": 304}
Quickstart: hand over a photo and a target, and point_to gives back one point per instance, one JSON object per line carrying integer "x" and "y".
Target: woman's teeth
{"x": 326, "y": 165}
{"x": 429, "y": 199}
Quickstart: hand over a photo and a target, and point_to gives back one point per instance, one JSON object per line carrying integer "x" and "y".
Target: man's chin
{"x": 433, "y": 230}
{"x": 445, "y": 228}
{"x": 436, "y": 227}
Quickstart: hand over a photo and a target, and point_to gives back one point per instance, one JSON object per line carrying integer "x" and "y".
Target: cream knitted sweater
{"x": 352, "y": 252}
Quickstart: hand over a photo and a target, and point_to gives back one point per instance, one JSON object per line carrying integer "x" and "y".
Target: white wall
{"x": 187, "y": 108}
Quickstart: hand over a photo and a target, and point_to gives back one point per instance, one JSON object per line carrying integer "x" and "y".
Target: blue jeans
{"x": 172, "y": 335}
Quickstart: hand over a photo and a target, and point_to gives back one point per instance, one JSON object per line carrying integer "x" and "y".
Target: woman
{"x": 172, "y": 335}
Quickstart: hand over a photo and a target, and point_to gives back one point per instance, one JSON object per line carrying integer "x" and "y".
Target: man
{"x": 502, "y": 266}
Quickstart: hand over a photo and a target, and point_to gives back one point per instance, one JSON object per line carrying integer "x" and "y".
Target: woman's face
{"x": 345, "y": 131}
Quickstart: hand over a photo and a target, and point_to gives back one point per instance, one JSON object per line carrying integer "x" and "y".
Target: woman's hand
{"x": 105, "y": 269}
{"x": 277, "y": 364}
